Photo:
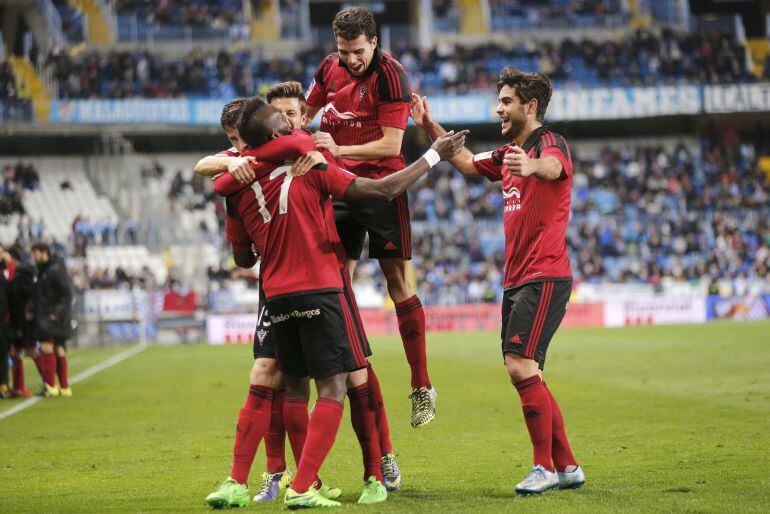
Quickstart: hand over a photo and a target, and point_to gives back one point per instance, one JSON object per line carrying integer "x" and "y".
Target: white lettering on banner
{"x": 654, "y": 311}
{"x": 230, "y": 328}
{"x": 113, "y": 305}
{"x": 621, "y": 103}
{"x": 737, "y": 98}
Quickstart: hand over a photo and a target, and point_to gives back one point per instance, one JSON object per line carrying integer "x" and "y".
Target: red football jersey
{"x": 536, "y": 211}
{"x": 354, "y": 109}
{"x": 287, "y": 219}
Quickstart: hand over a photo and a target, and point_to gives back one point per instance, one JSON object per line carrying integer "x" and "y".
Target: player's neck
{"x": 527, "y": 131}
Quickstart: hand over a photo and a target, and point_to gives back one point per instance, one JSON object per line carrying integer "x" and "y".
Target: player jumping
{"x": 313, "y": 320}
{"x": 364, "y": 96}
{"x": 536, "y": 174}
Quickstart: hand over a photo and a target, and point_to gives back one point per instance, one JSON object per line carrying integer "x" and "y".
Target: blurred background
{"x": 106, "y": 105}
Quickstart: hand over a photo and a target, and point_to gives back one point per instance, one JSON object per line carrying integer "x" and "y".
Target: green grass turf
{"x": 661, "y": 418}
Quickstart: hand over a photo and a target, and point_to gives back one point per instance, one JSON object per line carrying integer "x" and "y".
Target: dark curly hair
{"x": 528, "y": 86}
{"x": 352, "y": 22}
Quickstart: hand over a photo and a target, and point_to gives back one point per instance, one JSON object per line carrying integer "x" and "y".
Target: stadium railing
{"x": 16, "y": 110}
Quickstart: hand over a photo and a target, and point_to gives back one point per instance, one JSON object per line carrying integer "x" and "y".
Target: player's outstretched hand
{"x": 324, "y": 140}
{"x": 240, "y": 169}
{"x": 518, "y": 163}
{"x": 420, "y": 112}
{"x": 306, "y": 162}
{"x": 450, "y": 144}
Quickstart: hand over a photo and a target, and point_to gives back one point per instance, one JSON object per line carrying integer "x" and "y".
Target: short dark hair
{"x": 41, "y": 247}
{"x": 231, "y": 113}
{"x": 252, "y": 124}
{"x": 527, "y": 87}
{"x": 288, "y": 89}
{"x": 351, "y": 22}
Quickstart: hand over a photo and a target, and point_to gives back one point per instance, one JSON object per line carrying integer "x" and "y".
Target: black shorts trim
{"x": 387, "y": 223}
{"x": 531, "y": 315}
{"x": 301, "y": 293}
{"x": 264, "y": 343}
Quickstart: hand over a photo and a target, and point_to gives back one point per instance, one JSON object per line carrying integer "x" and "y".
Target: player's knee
{"x": 395, "y": 278}
{"x": 357, "y": 378}
{"x": 297, "y": 387}
{"x": 520, "y": 368}
{"x": 333, "y": 388}
{"x": 265, "y": 372}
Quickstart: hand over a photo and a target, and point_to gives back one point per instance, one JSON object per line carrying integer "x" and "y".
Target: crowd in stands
{"x": 15, "y": 179}
{"x": 201, "y": 13}
{"x": 535, "y": 11}
{"x": 7, "y": 82}
{"x": 642, "y": 58}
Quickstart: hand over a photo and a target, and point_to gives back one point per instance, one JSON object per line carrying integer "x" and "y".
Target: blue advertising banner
{"x": 566, "y": 105}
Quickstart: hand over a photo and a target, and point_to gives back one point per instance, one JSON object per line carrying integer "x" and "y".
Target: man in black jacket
{"x": 22, "y": 325}
{"x": 6, "y": 275}
{"x": 52, "y": 313}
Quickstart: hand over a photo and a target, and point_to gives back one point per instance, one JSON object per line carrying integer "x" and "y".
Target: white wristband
{"x": 432, "y": 157}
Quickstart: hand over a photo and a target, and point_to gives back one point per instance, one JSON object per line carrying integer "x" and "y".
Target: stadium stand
{"x": 641, "y": 58}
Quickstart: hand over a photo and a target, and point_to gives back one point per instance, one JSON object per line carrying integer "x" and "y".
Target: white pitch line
{"x": 93, "y": 370}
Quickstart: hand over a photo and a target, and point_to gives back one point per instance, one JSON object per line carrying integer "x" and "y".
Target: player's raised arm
{"x": 420, "y": 113}
{"x": 394, "y": 185}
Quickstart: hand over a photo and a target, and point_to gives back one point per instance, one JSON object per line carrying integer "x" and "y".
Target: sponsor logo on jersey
{"x": 310, "y": 313}
{"x": 332, "y": 116}
{"x": 512, "y": 198}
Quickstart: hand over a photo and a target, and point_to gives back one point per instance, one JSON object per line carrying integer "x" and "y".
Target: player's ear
{"x": 532, "y": 107}
{"x": 374, "y": 42}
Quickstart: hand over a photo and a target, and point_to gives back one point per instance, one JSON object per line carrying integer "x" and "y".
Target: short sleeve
{"x": 490, "y": 164}
{"x": 316, "y": 93}
{"x": 230, "y": 152}
{"x": 335, "y": 180}
{"x": 554, "y": 145}
{"x": 393, "y": 114}
{"x": 235, "y": 232}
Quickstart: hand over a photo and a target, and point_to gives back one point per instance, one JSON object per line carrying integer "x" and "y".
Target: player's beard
{"x": 515, "y": 124}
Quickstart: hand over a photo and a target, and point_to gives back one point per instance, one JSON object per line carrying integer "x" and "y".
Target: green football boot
{"x": 229, "y": 494}
{"x": 310, "y": 499}
{"x": 374, "y": 492}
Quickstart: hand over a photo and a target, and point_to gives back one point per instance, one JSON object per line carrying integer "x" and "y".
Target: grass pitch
{"x": 661, "y": 418}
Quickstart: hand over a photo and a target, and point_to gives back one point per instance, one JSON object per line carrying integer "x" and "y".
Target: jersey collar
{"x": 376, "y": 58}
{"x": 533, "y": 138}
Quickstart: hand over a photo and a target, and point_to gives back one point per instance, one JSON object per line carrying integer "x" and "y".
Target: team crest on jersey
{"x": 261, "y": 335}
{"x": 362, "y": 92}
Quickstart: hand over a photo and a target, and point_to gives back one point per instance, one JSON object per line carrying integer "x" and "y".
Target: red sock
{"x": 364, "y": 420}
{"x": 561, "y": 451}
{"x": 18, "y": 373}
{"x": 411, "y": 325}
{"x": 49, "y": 366}
{"x": 275, "y": 440}
{"x": 295, "y": 420}
{"x": 536, "y": 404}
{"x": 40, "y": 365}
{"x": 322, "y": 430}
{"x": 61, "y": 370}
{"x": 253, "y": 420}
{"x": 378, "y": 404}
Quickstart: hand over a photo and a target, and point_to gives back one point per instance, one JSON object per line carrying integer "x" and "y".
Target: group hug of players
{"x": 35, "y": 320}
{"x": 303, "y": 202}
